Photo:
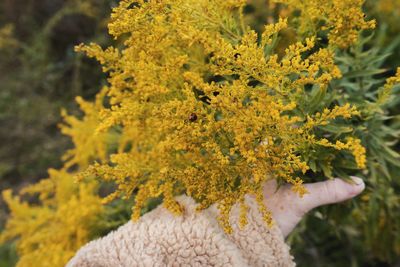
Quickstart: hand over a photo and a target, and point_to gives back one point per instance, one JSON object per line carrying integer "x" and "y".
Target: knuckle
{"x": 330, "y": 191}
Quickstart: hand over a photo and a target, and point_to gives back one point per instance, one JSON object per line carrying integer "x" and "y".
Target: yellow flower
{"x": 344, "y": 19}
{"x": 385, "y": 92}
{"x": 193, "y": 92}
{"x": 88, "y": 144}
{"x": 49, "y": 234}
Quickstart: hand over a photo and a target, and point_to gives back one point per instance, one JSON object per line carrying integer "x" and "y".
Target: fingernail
{"x": 357, "y": 180}
{"x": 358, "y": 186}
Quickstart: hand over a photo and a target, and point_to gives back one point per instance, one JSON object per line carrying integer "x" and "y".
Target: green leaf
{"x": 378, "y": 59}
{"x": 313, "y": 166}
{"x": 336, "y": 129}
{"x": 363, "y": 73}
{"x": 326, "y": 169}
{"x": 349, "y": 164}
{"x": 317, "y": 95}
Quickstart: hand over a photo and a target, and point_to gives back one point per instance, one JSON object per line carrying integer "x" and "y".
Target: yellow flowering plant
{"x": 50, "y": 233}
{"x": 63, "y": 215}
{"x": 202, "y": 100}
{"x": 205, "y": 106}
{"x": 342, "y": 19}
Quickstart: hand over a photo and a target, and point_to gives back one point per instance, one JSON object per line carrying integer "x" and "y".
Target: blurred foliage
{"x": 40, "y": 74}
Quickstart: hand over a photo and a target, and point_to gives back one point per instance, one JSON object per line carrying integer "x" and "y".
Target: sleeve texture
{"x": 194, "y": 239}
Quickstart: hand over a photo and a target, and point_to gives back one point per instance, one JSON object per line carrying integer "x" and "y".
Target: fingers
{"x": 288, "y": 208}
{"x": 329, "y": 192}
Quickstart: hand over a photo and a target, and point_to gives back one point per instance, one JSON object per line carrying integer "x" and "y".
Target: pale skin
{"x": 288, "y": 208}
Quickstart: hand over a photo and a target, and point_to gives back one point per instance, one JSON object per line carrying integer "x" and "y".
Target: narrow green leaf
{"x": 363, "y": 73}
{"x": 337, "y": 129}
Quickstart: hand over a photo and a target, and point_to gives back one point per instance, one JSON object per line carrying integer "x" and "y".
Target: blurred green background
{"x": 40, "y": 74}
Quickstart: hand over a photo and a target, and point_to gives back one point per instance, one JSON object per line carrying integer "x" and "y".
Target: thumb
{"x": 329, "y": 192}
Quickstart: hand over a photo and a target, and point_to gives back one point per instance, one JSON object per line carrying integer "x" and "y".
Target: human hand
{"x": 288, "y": 208}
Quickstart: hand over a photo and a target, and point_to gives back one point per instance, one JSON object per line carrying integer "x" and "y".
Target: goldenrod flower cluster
{"x": 50, "y": 232}
{"x": 203, "y": 105}
{"x": 385, "y": 93}
{"x": 88, "y": 145}
{"x": 197, "y": 102}
{"x": 343, "y": 19}
{"x": 68, "y": 214}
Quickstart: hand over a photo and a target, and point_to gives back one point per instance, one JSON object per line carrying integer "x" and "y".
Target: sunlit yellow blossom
{"x": 352, "y": 144}
{"x": 343, "y": 19}
{"x": 50, "y": 233}
{"x": 385, "y": 92}
{"x": 194, "y": 93}
{"x": 88, "y": 144}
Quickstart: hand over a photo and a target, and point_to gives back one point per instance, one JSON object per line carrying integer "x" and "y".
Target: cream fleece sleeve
{"x": 194, "y": 239}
